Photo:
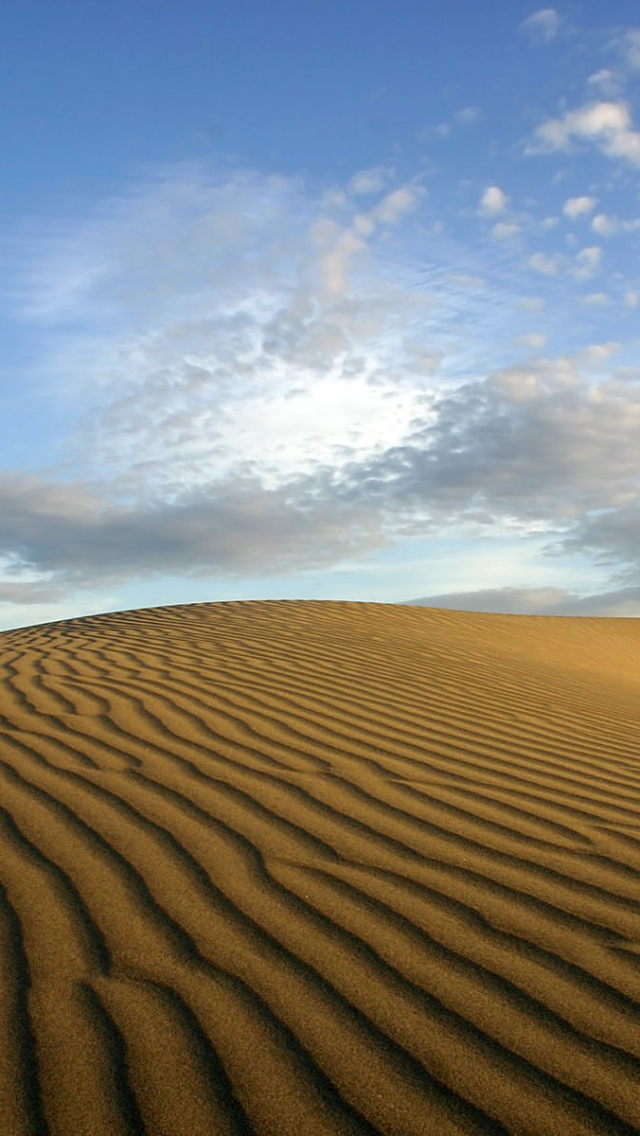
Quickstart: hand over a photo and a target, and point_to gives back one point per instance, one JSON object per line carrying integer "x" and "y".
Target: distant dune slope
{"x": 299, "y": 869}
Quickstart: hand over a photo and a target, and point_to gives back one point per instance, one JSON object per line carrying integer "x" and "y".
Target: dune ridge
{"x": 323, "y": 868}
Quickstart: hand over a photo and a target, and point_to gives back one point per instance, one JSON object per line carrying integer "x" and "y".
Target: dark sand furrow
{"x": 568, "y": 940}
{"x": 580, "y": 859}
{"x": 406, "y": 719}
{"x": 285, "y": 734}
{"x": 72, "y": 1072}
{"x": 158, "y": 1034}
{"x": 483, "y": 998}
{"x": 505, "y": 804}
{"x": 37, "y": 884}
{"x": 266, "y": 829}
{"x": 333, "y": 743}
{"x": 135, "y": 950}
{"x": 388, "y": 845}
{"x": 69, "y": 748}
{"x": 271, "y": 658}
{"x": 568, "y": 806}
{"x": 444, "y": 1027}
{"x": 20, "y": 1099}
{"x": 628, "y": 1011}
{"x": 580, "y": 1065}
{"x": 321, "y": 817}
{"x": 129, "y": 741}
{"x": 230, "y": 937}
{"x": 433, "y": 723}
{"x": 584, "y": 999}
{"x": 602, "y": 904}
{"x": 109, "y": 879}
{"x": 121, "y": 1116}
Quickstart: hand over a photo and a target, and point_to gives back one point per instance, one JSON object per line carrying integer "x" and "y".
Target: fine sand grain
{"x": 299, "y": 869}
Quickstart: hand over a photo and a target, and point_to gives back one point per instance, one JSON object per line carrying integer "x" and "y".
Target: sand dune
{"x": 320, "y": 868}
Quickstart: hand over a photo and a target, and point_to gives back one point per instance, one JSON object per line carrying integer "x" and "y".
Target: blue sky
{"x": 321, "y": 301}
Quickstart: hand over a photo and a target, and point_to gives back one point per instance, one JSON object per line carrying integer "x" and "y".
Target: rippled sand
{"x": 318, "y": 868}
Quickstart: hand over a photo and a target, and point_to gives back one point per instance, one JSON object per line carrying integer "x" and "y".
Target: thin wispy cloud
{"x": 541, "y": 26}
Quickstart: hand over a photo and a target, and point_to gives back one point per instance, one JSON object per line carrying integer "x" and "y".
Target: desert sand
{"x": 310, "y": 868}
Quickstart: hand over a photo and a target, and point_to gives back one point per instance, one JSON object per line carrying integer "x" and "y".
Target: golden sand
{"x": 298, "y": 869}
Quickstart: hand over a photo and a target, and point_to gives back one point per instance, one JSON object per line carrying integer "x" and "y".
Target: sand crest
{"x": 299, "y": 868}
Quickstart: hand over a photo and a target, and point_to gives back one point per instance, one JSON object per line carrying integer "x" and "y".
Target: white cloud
{"x": 467, "y": 281}
{"x": 542, "y": 26}
{"x": 605, "y": 226}
{"x": 628, "y": 45}
{"x": 598, "y": 299}
{"x": 493, "y": 201}
{"x": 587, "y": 262}
{"x": 339, "y": 246}
{"x": 546, "y": 265}
{"x": 468, "y": 115}
{"x": 269, "y": 383}
{"x": 369, "y": 181}
{"x": 400, "y": 201}
{"x": 531, "y": 303}
{"x": 503, "y": 230}
{"x": 535, "y": 339}
{"x": 597, "y": 353}
{"x": 608, "y": 125}
{"x": 609, "y": 82}
{"x": 549, "y": 600}
{"x": 578, "y": 206}
{"x": 632, "y": 298}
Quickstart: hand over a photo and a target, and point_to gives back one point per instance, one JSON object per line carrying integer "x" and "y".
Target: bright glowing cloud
{"x": 493, "y": 200}
{"x": 608, "y": 125}
{"x": 578, "y": 206}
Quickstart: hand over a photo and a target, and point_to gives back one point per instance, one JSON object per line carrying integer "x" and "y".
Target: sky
{"x": 319, "y": 301}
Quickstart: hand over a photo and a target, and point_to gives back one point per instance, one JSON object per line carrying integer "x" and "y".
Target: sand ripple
{"x": 320, "y": 868}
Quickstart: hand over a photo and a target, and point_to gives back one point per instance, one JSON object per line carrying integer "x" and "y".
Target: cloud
{"x": 493, "y": 201}
{"x": 609, "y": 82}
{"x": 587, "y": 262}
{"x": 467, "y": 281}
{"x": 623, "y": 602}
{"x": 339, "y": 248}
{"x": 504, "y": 230}
{"x": 468, "y": 115}
{"x": 607, "y": 125}
{"x": 545, "y": 265}
{"x": 534, "y": 339}
{"x": 367, "y": 182}
{"x": 578, "y": 206}
{"x": 531, "y": 303}
{"x": 597, "y": 353}
{"x": 71, "y": 535}
{"x": 393, "y": 207}
{"x": 627, "y": 44}
{"x": 268, "y": 384}
{"x": 605, "y": 226}
{"x": 536, "y": 443}
{"x": 538, "y": 447}
{"x": 598, "y": 299}
{"x": 613, "y": 536}
{"x": 542, "y": 26}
